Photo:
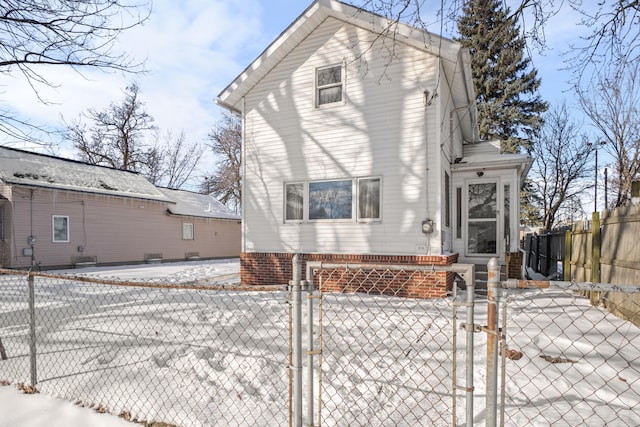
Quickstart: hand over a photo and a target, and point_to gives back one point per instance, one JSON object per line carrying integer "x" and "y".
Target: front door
{"x": 482, "y": 224}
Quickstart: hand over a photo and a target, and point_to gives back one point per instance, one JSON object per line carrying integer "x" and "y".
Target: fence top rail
{"x": 577, "y": 286}
{"x": 458, "y": 268}
{"x": 198, "y": 284}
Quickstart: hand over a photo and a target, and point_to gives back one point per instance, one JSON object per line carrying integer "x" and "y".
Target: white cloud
{"x": 192, "y": 49}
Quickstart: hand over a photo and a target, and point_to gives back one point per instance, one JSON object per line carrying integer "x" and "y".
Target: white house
{"x": 360, "y": 143}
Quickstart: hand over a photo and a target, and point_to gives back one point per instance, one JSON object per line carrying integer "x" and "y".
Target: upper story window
{"x": 328, "y": 85}
{"x": 60, "y": 228}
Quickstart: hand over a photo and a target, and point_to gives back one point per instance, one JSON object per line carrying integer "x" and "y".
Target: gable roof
{"x": 18, "y": 167}
{"x": 187, "y": 203}
{"x": 455, "y": 59}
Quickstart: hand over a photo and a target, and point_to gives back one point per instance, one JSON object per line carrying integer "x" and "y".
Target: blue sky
{"x": 194, "y": 48}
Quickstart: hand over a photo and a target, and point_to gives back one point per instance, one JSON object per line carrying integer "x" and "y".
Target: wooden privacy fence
{"x": 603, "y": 250}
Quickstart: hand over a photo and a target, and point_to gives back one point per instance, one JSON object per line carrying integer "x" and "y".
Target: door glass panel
{"x": 482, "y": 201}
{"x": 482, "y": 237}
{"x": 482, "y": 233}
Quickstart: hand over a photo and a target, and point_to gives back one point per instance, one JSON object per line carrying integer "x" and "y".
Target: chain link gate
{"x": 374, "y": 356}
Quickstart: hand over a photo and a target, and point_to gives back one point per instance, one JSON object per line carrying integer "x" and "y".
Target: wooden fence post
{"x": 595, "y": 247}
{"x": 567, "y": 256}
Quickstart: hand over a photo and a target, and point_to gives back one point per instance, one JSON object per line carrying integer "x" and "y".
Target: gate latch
{"x": 471, "y": 326}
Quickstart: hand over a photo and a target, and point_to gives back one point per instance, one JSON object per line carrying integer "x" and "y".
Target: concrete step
{"x": 482, "y": 275}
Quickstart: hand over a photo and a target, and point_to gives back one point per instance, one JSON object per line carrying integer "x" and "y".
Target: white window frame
{"x": 308, "y": 201}
{"x": 304, "y": 201}
{"x": 318, "y": 88}
{"x": 53, "y": 228}
{"x": 498, "y": 217}
{"x": 380, "y": 204}
{"x": 355, "y": 214}
{"x": 188, "y": 231}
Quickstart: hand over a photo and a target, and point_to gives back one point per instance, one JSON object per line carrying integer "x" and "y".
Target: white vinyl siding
{"x": 378, "y": 130}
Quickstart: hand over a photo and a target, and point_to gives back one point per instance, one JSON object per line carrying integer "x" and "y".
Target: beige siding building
{"x": 61, "y": 213}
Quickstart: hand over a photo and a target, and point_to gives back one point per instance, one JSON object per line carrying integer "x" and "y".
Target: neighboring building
{"x": 56, "y": 213}
{"x": 363, "y": 147}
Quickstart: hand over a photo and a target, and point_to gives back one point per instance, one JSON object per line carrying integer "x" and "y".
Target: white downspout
{"x": 243, "y": 164}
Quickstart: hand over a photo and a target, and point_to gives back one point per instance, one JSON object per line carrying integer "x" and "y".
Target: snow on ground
{"x": 386, "y": 361}
{"x": 218, "y": 271}
{"x": 38, "y": 410}
{"x": 18, "y": 409}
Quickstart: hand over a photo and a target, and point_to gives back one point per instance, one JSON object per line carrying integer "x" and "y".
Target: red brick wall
{"x": 276, "y": 269}
{"x": 514, "y": 265}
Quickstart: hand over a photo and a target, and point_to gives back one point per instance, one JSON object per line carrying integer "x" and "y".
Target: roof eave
{"x": 231, "y": 96}
{"x": 161, "y": 199}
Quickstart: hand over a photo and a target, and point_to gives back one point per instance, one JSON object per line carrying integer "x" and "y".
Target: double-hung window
{"x": 329, "y": 85}
{"x": 294, "y": 196}
{"x": 60, "y": 228}
{"x": 337, "y": 200}
{"x": 368, "y": 199}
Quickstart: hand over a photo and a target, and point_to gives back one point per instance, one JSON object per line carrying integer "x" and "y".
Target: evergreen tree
{"x": 506, "y": 85}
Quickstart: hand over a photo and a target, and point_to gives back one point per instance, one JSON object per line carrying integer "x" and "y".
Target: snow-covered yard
{"x": 199, "y": 358}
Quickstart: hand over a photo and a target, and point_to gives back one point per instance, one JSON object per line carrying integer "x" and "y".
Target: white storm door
{"x": 482, "y": 219}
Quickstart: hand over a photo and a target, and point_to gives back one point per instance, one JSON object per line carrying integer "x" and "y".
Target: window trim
{"x": 447, "y": 200}
{"x": 317, "y": 87}
{"x": 355, "y": 194}
{"x": 186, "y": 226}
{"x": 304, "y": 205}
{"x": 380, "y": 202}
{"x": 458, "y": 212}
{"x": 53, "y": 229}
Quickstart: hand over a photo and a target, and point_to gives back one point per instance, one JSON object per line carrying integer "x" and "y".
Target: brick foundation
{"x": 514, "y": 265}
{"x": 262, "y": 269}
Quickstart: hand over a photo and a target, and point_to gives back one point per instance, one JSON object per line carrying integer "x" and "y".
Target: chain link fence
{"x": 567, "y": 362}
{"x": 186, "y": 356}
{"x": 349, "y": 347}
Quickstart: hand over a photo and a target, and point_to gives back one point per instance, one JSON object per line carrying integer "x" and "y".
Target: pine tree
{"x": 506, "y": 85}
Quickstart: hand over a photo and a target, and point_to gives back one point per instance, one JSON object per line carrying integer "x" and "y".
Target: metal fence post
{"x": 493, "y": 276}
{"x": 32, "y": 329}
{"x": 296, "y": 303}
{"x": 310, "y": 350}
{"x": 469, "y": 366}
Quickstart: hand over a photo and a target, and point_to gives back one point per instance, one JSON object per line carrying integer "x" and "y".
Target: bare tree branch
{"x": 226, "y": 182}
{"x": 36, "y": 35}
{"x": 561, "y": 160}
{"x": 613, "y": 108}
